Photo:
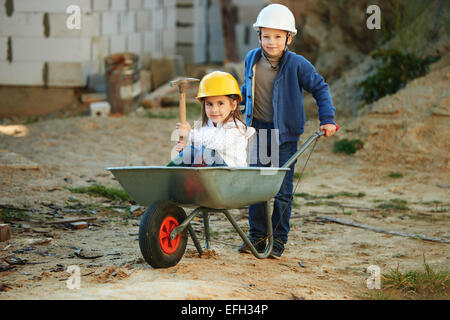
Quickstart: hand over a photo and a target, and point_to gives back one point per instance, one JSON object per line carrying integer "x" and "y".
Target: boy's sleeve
{"x": 244, "y": 96}
{"x": 314, "y": 83}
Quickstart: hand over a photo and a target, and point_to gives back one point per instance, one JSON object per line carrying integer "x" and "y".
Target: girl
{"x": 221, "y": 139}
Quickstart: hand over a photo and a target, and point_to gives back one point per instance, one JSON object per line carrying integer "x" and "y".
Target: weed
{"x": 14, "y": 214}
{"x": 111, "y": 193}
{"x": 394, "y": 72}
{"x": 427, "y": 284}
{"x": 348, "y": 146}
{"x": 395, "y": 204}
{"x": 395, "y": 175}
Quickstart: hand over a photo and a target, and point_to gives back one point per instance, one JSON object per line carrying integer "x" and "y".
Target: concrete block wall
{"x": 199, "y": 29}
{"x": 37, "y": 48}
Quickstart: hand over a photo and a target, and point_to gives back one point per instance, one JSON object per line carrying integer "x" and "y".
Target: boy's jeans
{"x": 283, "y": 203}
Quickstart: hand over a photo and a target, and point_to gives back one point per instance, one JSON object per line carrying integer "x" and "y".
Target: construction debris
{"x": 79, "y": 225}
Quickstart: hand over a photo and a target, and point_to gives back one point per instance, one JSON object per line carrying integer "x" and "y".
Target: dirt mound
{"x": 410, "y": 127}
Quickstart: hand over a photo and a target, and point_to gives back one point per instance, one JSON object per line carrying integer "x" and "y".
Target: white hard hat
{"x": 276, "y": 16}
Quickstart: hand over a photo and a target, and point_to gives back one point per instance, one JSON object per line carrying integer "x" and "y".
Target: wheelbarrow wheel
{"x": 158, "y": 249}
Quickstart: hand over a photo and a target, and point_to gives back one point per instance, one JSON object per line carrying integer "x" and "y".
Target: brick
{"x": 135, "y": 43}
{"x": 22, "y": 24}
{"x": 52, "y": 6}
{"x": 5, "y": 232}
{"x": 118, "y": 5}
{"x": 79, "y": 225}
{"x": 118, "y": 43}
{"x": 134, "y": 4}
{"x": 21, "y": 73}
{"x": 90, "y": 26}
{"x": 100, "y": 5}
{"x": 3, "y": 48}
{"x": 127, "y": 22}
{"x": 110, "y": 23}
{"x": 143, "y": 20}
{"x": 51, "y": 49}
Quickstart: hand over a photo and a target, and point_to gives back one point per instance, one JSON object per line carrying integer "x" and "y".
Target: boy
{"x": 273, "y": 98}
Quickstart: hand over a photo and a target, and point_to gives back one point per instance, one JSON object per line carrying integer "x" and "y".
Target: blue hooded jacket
{"x": 295, "y": 74}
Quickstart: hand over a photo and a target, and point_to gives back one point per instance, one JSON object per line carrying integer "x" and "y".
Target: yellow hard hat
{"x": 218, "y": 83}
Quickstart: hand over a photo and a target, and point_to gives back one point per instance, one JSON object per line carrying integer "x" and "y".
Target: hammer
{"x": 181, "y": 84}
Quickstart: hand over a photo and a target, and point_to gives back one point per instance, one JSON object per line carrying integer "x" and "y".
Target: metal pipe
{"x": 185, "y": 223}
{"x": 247, "y": 240}
{"x": 207, "y": 232}
{"x": 195, "y": 239}
{"x": 302, "y": 149}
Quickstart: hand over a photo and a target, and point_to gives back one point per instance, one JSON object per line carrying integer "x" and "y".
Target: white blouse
{"x": 229, "y": 140}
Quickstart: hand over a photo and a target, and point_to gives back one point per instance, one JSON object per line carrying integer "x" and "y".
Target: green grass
{"x": 99, "y": 190}
{"x": 394, "y": 204}
{"x": 14, "y": 214}
{"x": 412, "y": 285}
{"x": 395, "y": 175}
{"x": 160, "y": 115}
{"x": 348, "y": 146}
{"x": 308, "y": 196}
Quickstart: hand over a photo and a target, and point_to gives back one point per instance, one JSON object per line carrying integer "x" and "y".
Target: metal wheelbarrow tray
{"x": 164, "y": 225}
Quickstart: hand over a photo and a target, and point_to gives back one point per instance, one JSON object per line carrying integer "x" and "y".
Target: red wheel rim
{"x": 168, "y": 245}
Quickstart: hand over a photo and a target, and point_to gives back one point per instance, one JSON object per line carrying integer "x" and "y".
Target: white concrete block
{"x": 3, "y": 48}
{"x": 134, "y": 4}
{"x": 22, "y": 24}
{"x": 135, "y": 43}
{"x": 143, "y": 20}
{"x": 51, "y": 49}
{"x": 170, "y": 3}
{"x": 21, "y": 73}
{"x": 59, "y": 6}
{"x": 170, "y": 18}
{"x": 150, "y": 4}
{"x": 169, "y": 41}
{"x": 118, "y": 5}
{"x": 110, "y": 23}
{"x": 118, "y": 43}
{"x": 65, "y": 74}
{"x": 100, "y": 50}
{"x": 158, "y": 19}
{"x": 127, "y": 22}
{"x": 100, "y": 5}
{"x": 100, "y": 109}
{"x": 90, "y": 25}
{"x": 70, "y": 74}
{"x": 149, "y": 41}
{"x": 185, "y": 15}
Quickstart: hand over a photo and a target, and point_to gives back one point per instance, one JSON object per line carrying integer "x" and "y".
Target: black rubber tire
{"x": 149, "y": 234}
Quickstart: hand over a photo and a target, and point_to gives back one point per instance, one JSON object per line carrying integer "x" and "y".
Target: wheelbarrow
{"x": 164, "y": 227}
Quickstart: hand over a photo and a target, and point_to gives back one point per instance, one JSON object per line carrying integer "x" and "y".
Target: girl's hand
{"x": 183, "y": 129}
{"x": 180, "y": 145}
{"x": 330, "y": 129}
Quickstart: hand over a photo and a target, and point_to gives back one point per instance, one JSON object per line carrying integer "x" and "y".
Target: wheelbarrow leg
{"x": 185, "y": 223}
{"x": 206, "y": 225}
{"x": 247, "y": 240}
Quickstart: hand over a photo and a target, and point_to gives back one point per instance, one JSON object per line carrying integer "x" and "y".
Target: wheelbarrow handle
{"x": 305, "y": 146}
